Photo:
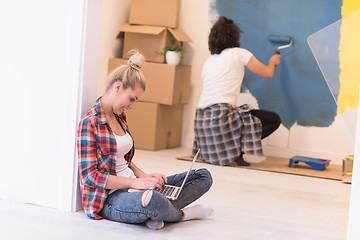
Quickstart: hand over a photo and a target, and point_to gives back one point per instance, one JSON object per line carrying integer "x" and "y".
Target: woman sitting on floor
{"x": 107, "y": 172}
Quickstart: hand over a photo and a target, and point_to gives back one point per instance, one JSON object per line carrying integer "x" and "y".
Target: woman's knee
{"x": 152, "y": 197}
{"x": 146, "y": 197}
{"x": 206, "y": 177}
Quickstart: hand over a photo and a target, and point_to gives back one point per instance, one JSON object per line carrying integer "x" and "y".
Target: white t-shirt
{"x": 222, "y": 76}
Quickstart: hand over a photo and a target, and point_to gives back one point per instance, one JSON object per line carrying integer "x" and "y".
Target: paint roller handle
{"x": 277, "y": 51}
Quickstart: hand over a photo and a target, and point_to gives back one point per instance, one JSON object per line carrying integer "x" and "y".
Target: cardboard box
{"x": 155, "y": 12}
{"x": 154, "y": 126}
{"x": 150, "y": 40}
{"x": 165, "y": 84}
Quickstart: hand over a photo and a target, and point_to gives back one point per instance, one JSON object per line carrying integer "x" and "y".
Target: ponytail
{"x": 130, "y": 74}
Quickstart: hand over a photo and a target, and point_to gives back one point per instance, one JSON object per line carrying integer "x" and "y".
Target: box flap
{"x": 179, "y": 35}
{"x": 154, "y": 30}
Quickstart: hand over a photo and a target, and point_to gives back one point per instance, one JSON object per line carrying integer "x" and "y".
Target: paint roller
{"x": 286, "y": 42}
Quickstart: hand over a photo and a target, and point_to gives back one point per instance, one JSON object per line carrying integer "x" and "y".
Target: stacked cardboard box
{"x": 156, "y": 121}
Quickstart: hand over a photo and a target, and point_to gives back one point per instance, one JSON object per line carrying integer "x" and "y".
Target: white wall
{"x": 88, "y": 80}
{"x": 194, "y": 19}
{"x": 42, "y": 64}
{"x": 333, "y": 142}
{"x": 354, "y": 211}
{"x": 114, "y": 14}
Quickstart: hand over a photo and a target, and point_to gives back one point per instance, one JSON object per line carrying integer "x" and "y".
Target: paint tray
{"x": 316, "y": 163}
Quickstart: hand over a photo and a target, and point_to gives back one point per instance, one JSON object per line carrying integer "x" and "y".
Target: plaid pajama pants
{"x": 222, "y": 132}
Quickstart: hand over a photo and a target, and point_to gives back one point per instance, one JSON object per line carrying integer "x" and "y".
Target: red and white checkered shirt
{"x": 96, "y": 147}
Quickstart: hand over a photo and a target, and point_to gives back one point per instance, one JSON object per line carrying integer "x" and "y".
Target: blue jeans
{"x": 124, "y": 206}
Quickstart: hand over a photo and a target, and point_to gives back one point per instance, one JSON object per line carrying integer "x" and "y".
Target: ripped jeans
{"x": 124, "y": 206}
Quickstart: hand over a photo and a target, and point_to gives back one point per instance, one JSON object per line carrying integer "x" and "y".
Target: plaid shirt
{"x": 223, "y": 131}
{"x": 96, "y": 147}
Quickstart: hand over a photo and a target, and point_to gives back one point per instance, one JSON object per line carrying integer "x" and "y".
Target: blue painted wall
{"x": 297, "y": 92}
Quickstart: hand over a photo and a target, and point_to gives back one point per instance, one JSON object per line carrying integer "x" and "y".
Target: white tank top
{"x": 124, "y": 144}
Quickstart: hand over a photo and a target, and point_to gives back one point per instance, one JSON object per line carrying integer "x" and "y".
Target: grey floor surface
{"x": 248, "y": 205}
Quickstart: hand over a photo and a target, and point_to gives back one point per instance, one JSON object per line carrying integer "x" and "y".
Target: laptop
{"x": 173, "y": 192}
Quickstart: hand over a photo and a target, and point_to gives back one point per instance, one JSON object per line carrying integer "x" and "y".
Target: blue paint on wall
{"x": 297, "y": 92}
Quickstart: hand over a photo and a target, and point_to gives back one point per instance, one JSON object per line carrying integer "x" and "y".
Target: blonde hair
{"x": 130, "y": 74}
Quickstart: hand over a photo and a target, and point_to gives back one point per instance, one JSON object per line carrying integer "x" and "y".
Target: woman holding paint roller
{"x": 223, "y": 131}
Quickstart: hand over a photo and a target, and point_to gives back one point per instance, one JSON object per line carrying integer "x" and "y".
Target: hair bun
{"x": 136, "y": 60}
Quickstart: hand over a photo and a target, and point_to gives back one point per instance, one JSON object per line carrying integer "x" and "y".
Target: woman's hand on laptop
{"x": 162, "y": 178}
{"x": 150, "y": 181}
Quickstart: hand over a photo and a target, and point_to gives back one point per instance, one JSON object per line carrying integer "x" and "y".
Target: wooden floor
{"x": 281, "y": 165}
{"x": 249, "y": 204}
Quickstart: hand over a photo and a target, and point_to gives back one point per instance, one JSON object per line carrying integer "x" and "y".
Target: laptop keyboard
{"x": 167, "y": 190}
